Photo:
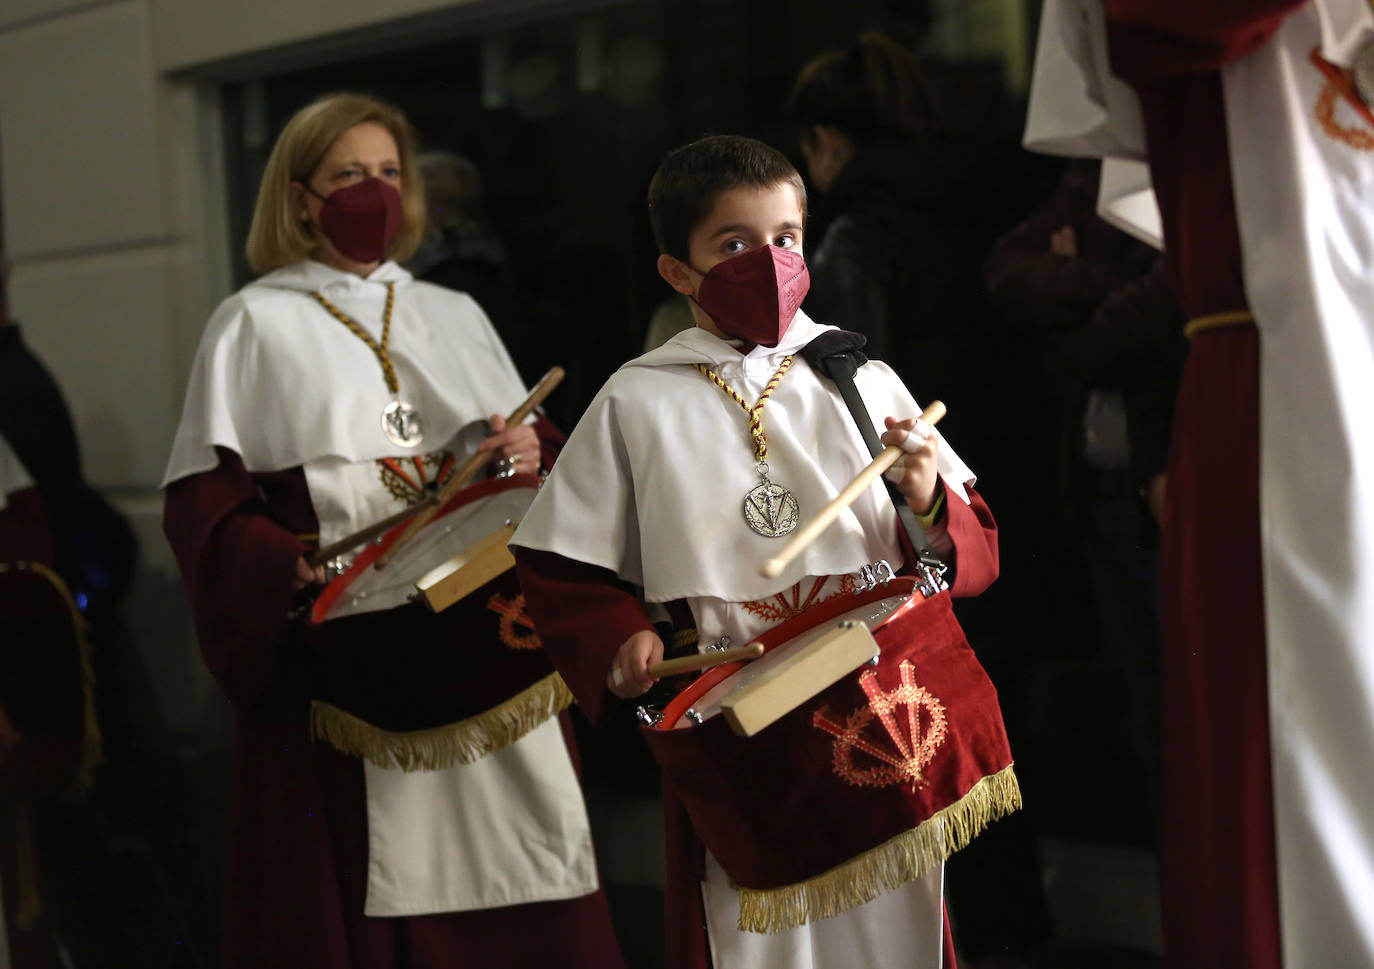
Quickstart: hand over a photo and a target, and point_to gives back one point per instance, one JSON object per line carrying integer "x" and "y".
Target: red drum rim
{"x": 784, "y": 631}
{"x": 331, "y": 592}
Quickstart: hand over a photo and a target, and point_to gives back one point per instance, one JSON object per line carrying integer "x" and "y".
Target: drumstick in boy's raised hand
{"x": 809, "y": 532}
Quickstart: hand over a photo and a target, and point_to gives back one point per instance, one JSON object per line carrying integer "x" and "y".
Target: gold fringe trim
{"x": 1214, "y": 321}
{"x": 437, "y": 748}
{"x": 884, "y": 868}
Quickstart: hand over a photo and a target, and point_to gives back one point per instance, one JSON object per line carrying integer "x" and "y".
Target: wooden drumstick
{"x": 423, "y": 511}
{"x": 809, "y": 532}
{"x": 704, "y": 661}
{"x": 469, "y": 470}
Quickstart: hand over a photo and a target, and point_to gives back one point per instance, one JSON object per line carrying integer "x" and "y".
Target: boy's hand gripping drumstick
{"x": 809, "y": 532}
{"x": 469, "y": 470}
{"x": 704, "y": 661}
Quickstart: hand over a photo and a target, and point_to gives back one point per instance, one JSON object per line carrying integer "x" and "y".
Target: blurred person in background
{"x": 462, "y": 250}
{"x": 905, "y": 217}
{"x": 1113, "y": 343}
{"x": 337, "y": 861}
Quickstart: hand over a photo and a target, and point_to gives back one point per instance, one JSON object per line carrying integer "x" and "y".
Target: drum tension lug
{"x": 649, "y": 716}
{"x": 695, "y": 717}
{"x": 874, "y": 575}
{"x": 717, "y": 645}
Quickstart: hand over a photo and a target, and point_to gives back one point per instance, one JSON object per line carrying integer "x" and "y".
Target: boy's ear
{"x": 676, "y": 274}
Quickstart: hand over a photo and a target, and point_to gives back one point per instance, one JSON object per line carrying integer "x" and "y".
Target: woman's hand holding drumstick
{"x": 917, "y": 482}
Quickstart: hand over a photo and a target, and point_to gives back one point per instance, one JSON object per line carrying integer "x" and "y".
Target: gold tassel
{"x": 437, "y": 748}
{"x": 885, "y": 868}
{"x": 30, "y": 905}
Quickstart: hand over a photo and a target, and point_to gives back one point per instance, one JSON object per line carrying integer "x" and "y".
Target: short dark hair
{"x": 871, "y": 89}
{"x": 691, "y": 178}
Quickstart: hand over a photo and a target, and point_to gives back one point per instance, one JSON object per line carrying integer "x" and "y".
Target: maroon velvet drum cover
{"x": 405, "y": 670}
{"x": 908, "y": 757}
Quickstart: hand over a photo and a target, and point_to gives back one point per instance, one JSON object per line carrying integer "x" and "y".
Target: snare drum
{"x": 866, "y": 786}
{"x": 403, "y": 686}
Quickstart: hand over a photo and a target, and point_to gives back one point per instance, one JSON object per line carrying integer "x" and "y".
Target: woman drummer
{"x": 325, "y": 396}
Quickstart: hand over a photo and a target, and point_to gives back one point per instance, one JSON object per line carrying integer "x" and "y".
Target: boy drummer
{"x": 686, "y": 470}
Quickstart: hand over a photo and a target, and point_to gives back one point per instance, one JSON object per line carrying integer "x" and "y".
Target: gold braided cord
{"x": 756, "y": 412}
{"x": 1216, "y": 321}
{"x": 388, "y": 371}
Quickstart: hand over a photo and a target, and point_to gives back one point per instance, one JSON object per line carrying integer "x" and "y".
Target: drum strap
{"x": 838, "y": 354}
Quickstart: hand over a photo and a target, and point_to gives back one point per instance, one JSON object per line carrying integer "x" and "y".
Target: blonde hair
{"x": 277, "y": 237}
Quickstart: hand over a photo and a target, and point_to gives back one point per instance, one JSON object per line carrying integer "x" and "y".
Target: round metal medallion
{"x": 402, "y": 425}
{"x": 1362, "y": 73}
{"x": 771, "y": 510}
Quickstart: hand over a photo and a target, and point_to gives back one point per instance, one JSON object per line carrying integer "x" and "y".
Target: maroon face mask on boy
{"x": 362, "y": 219}
{"x": 755, "y": 296}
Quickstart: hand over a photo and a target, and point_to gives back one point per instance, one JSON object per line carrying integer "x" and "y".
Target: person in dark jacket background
{"x": 906, "y": 215}
{"x": 1112, "y": 334}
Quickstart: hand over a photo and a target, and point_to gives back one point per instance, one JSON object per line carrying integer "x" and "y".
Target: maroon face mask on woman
{"x": 362, "y": 219}
{"x": 755, "y": 296}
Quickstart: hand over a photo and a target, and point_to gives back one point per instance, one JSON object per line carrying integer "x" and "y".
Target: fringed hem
{"x": 884, "y": 868}
{"x": 438, "y": 748}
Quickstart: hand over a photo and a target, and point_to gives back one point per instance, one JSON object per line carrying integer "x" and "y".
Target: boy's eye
{"x": 391, "y": 172}
{"x": 785, "y": 241}
{"x": 734, "y": 245}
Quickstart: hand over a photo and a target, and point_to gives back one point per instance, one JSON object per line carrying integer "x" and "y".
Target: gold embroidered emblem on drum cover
{"x": 788, "y": 603}
{"x": 410, "y": 480}
{"x": 1338, "y": 96}
{"x": 914, "y": 726}
{"x": 512, "y": 613}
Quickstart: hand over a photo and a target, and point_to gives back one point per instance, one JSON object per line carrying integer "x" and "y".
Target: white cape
{"x": 1304, "y": 199}
{"x": 282, "y": 383}
{"x": 652, "y": 481}
{"x": 1080, "y": 109}
{"x": 13, "y": 475}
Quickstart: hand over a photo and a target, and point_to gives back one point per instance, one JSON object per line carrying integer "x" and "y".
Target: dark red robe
{"x": 1220, "y": 893}
{"x": 24, "y": 536}
{"x": 584, "y": 613}
{"x": 297, "y": 820}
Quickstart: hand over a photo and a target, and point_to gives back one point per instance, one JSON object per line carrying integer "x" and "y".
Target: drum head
{"x": 874, "y": 608}
{"x": 470, "y": 516}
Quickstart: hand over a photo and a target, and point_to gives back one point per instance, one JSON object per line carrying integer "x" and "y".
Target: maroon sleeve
{"x": 238, "y": 566}
{"x": 1151, "y": 39}
{"x": 582, "y": 614}
{"x": 24, "y": 532}
{"x": 551, "y": 441}
{"x": 974, "y": 534}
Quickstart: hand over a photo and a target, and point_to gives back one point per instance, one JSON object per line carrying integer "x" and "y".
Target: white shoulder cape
{"x": 282, "y": 383}
{"x": 652, "y": 481}
{"x": 13, "y": 475}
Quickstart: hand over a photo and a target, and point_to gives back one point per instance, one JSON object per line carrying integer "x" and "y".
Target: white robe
{"x": 1303, "y": 204}
{"x": 282, "y": 383}
{"x": 1305, "y": 207}
{"x": 651, "y": 486}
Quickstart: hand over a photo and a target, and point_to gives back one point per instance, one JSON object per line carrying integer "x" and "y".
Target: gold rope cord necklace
{"x": 769, "y": 509}
{"x": 401, "y": 422}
